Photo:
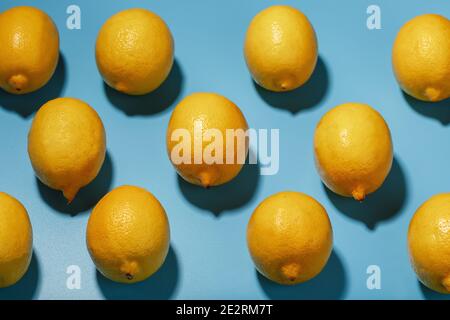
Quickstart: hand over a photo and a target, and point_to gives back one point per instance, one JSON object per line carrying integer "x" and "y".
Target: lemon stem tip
{"x": 18, "y": 82}
{"x": 205, "y": 180}
{"x": 291, "y": 271}
{"x": 446, "y": 283}
{"x": 358, "y": 194}
{"x": 70, "y": 194}
{"x": 432, "y": 94}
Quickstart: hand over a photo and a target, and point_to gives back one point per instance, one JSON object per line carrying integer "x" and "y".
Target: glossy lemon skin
{"x": 212, "y": 111}
{"x": 16, "y": 240}
{"x": 29, "y": 43}
{"x": 128, "y": 234}
{"x": 280, "y": 48}
{"x": 134, "y": 51}
{"x": 289, "y": 237}
{"x": 429, "y": 243}
{"x": 353, "y": 150}
{"x": 421, "y": 57}
{"x": 66, "y": 145}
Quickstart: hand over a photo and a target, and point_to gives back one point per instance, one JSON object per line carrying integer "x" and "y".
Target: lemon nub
{"x": 18, "y": 82}
{"x": 205, "y": 179}
{"x": 446, "y": 283}
{"x": 70, "y": 193}
{"x": 291, "y": 271}
{"x": 358, "y": 194}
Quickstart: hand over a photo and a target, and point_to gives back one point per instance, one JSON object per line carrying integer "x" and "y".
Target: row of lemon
{"x": 289, "y": 234}
{"x": 135, "y": 50}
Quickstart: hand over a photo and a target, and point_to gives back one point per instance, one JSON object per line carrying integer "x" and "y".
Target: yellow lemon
{"x": 290, "y": 237}
{"x": 421, "y": 57}
{"x": 134, "y": 51}
{"x": 206, "y": 139}
{"x": 280, "y": 48}
{"x": 353, "y": 150}
{"x": 128, "y": 234}
{"x": 16, "y": 240}
{"x": 29, "y": 53}
{"x": 429, "y": 243}
{"x": 66, "y": 145}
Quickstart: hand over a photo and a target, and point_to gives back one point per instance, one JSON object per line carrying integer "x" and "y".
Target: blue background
{"x": 208, "y": 256}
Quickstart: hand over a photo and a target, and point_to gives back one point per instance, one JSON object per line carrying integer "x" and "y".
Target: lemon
{"x": 280, "y": 48}
{"x": 128, "y": 234}
{"x": 289, "y": 237}
{"x": 353, "y": 150}
{"x": 207, "y": 112}
{"x": 429, "y": 243}
{"x": 421, "y": 57}
{"x": 16, "y": 240}
{"x": 134, "y": 51}
{"x": 66, "y": 145}
{"x": 29, "y": 43}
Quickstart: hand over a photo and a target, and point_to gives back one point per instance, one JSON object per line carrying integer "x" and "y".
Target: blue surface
{"x": 208, "y": 257}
